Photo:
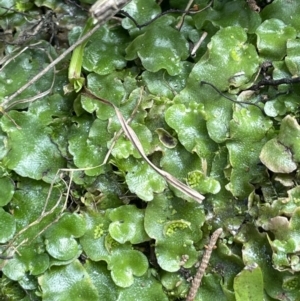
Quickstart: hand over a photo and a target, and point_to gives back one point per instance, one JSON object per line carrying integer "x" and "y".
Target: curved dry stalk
{"x": 204, "y": 263}
{"x": 131, "y": 135}
{"x": 119, "y": 133}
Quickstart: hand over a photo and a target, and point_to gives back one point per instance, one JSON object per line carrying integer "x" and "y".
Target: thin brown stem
{"x": 204, "y": 263}
{"x": 119, "y": 133}
{"x": 225, "y": 96}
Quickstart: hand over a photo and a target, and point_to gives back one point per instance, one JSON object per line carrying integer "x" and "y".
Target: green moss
{"x": 290, "y": 283}
{"x": 171, "y": 227}
{"x": 99, "y": 231}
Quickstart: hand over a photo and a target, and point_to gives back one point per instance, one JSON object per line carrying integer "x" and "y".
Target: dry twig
{"x": 131, "y": 135}
{"x": 180, "y": 23}
{"x": 119, "y": 133}
{"x": 204, "y": 263}
{"x": 198, "y": 44}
